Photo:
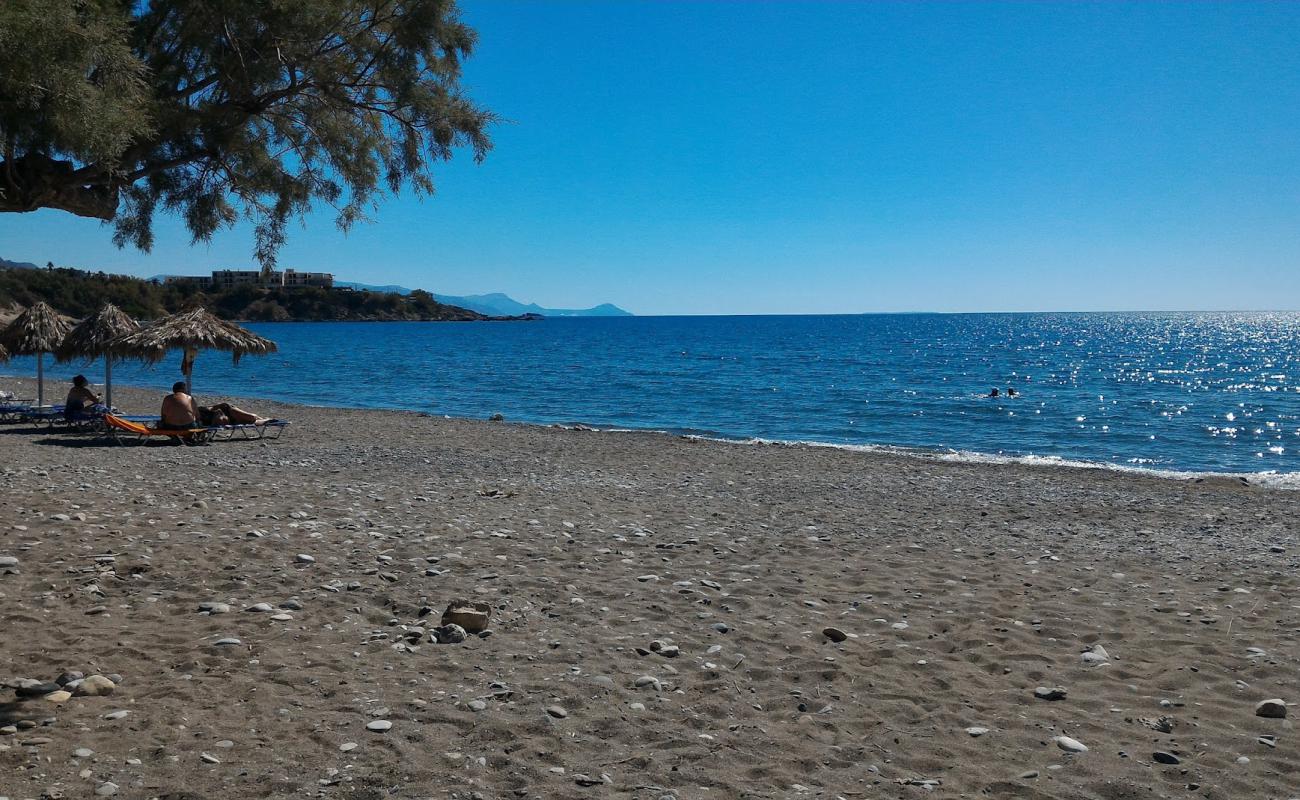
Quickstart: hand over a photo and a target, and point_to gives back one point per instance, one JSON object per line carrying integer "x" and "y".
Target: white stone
{"x": 1070, "y": 745}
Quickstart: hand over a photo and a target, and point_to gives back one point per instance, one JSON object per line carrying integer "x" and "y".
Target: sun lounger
{"x": 47, "y": 415}
{"x": 122, "y": 431}
{"x": 271, "y": 429}
{"x": 13, "y": 412}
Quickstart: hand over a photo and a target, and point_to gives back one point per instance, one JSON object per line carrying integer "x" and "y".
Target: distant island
{"x": 498, "y": 304}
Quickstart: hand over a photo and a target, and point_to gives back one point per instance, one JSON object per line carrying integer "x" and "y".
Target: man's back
{"x": 178, "y": 409}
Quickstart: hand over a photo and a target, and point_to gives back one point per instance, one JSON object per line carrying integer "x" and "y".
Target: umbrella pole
{"x": 40, "y": 379}
{"x": 189, "y": 371}
{"x": 108, "y": 382}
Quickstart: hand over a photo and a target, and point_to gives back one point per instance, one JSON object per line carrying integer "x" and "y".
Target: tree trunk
{"x": 31, "y": 182}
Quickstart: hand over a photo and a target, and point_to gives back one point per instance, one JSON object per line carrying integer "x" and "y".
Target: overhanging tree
{"x": 209, "y": 109}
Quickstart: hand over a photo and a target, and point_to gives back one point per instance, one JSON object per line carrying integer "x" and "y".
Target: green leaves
{"x": 215, "y": 108}
{"x": 69, "y": 80}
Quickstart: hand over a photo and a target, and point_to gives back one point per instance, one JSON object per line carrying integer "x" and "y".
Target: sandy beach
{"x": 659, "y": 619}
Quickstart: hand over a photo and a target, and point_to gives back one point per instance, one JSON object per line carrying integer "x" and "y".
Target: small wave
{"x": 1268, "y": 478}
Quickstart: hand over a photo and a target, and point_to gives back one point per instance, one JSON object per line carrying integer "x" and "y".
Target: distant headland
{"x": 499, "y": 304}
{"x": 278, "y": 296}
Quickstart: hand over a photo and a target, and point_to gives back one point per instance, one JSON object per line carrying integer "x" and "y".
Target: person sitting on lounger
{"x": 178, "y": 410}
{"x": 80, "y": 398}
{"x": 226, "y": 414}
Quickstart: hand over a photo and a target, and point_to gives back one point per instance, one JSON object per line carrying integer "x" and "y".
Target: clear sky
{"x": 691, "y": 157}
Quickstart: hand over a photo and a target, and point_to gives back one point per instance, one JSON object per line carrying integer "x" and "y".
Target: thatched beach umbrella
{"x": 91, "y": 337}
{"x": 35, "y": 332}
{"x": 190, "y": 332}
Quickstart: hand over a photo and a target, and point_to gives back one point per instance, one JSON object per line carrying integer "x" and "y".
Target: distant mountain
{"x": 4, "y": 264}
{"x": 500, "y": 304}
{"x": 497, "y": 304}
{"x": 370, "y": 287}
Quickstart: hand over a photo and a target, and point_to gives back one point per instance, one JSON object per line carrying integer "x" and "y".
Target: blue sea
{"x": 1195, "y": 392}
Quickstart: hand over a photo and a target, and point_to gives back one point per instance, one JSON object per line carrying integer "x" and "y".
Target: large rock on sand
{"x": 470, "y": 615}
{"x": 94, "y": 686}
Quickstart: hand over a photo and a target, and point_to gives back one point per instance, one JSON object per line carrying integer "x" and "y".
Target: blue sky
{"x": 676, "y": 157}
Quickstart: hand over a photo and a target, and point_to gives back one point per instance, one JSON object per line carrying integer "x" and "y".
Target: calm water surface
{"x": 1187, "y": 392}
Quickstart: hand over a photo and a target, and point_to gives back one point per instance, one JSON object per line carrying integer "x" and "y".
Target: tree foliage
{"x": 210, "y": 109}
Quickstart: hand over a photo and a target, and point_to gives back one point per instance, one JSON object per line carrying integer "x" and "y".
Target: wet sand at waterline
{"x": 658, "y": 624}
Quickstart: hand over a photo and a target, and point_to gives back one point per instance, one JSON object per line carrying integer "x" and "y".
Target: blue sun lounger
{"x": 13, "y": 412}
{"x": 271, "y": 429}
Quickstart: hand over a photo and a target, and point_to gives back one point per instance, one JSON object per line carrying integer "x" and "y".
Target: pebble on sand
{"x": 470, "y": 615}
{"x": 31, "y": 688}
{"x": 1050, "y": 693}
{"x": 557, "y": 711}
{"x": 834, "y": 634}
{"x": 379, "y": 726}
{"x": 1096, "y": 655}
{"x": 448, "y": 634}
{"x": 94, "y": 686}
{"x": 1070, "y": 745}
{"x": 1272, "y": 709}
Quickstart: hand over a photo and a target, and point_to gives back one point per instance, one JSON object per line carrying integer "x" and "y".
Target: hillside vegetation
{"x": 78, "y": 293}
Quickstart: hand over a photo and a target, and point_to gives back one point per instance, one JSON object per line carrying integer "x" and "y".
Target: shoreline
{"x": 1272, "y": 479}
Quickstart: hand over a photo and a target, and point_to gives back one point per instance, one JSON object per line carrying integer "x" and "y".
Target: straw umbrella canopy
{"x": 36, "y": 331}
{"x": 190, "y": 332}
{"x": 90, "y": 338}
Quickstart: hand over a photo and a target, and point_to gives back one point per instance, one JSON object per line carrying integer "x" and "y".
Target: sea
{"x": 1176, "y": 393}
